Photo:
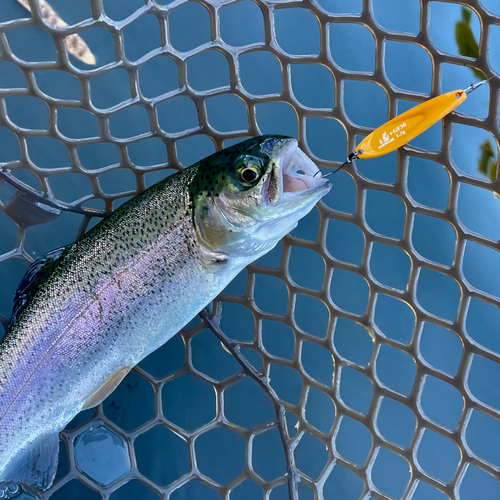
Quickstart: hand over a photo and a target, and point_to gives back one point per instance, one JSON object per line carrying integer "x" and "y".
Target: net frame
{"x": 455, "y": 271}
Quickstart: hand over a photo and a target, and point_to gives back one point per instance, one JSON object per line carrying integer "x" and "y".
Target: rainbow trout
{"x": 85, "y": 314}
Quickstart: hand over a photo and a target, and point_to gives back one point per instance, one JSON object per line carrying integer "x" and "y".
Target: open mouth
{"x": 294, "y": 174}
{"x": 299, "y": 173}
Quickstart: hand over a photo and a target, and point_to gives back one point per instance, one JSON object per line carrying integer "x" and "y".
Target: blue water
{"x": 190, "y": 402}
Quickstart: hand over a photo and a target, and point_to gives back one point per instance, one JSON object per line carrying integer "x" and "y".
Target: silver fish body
{"x": 129, "y": 285}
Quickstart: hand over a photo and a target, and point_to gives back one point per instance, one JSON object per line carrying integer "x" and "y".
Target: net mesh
{"x": 165, "y": 116}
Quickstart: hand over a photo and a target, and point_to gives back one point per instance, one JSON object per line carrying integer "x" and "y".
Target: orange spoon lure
{"x": 403, "y": 128}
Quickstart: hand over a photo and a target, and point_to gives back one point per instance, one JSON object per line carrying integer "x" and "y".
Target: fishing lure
{"x": 406, "y": 126}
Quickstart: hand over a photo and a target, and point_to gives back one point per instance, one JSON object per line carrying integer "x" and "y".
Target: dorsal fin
{"x": 34, "y": 277}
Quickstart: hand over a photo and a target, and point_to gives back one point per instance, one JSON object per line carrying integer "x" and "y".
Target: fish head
{"x": 247, "y": 197}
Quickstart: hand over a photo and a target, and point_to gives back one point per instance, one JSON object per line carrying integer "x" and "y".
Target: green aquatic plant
{"x": 466, "y": 41}
{"x": 487, "y": 161}
{"x": 469, "y": 47}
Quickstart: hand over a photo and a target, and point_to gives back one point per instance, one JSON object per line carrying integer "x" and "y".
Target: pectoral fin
{"x": 107, "y": 388}
{"x": 37, "y": 465}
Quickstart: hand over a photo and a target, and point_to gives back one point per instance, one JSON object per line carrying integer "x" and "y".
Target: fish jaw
{"x": 299, "y": 182}
{"x": 300, "y": 174}
{"x": 301, "y": 188}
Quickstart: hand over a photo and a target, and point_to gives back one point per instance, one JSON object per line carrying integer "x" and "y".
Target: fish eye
{"x": 249, "y": 174}
{"x": 248, "y": 170}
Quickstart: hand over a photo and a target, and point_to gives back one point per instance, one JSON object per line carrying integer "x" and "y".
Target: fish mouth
{"x": 295, "y": 174}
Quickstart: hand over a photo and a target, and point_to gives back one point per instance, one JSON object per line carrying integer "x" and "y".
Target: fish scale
{"x": 125, "y": 288}
{"x": 106, "y": 289}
